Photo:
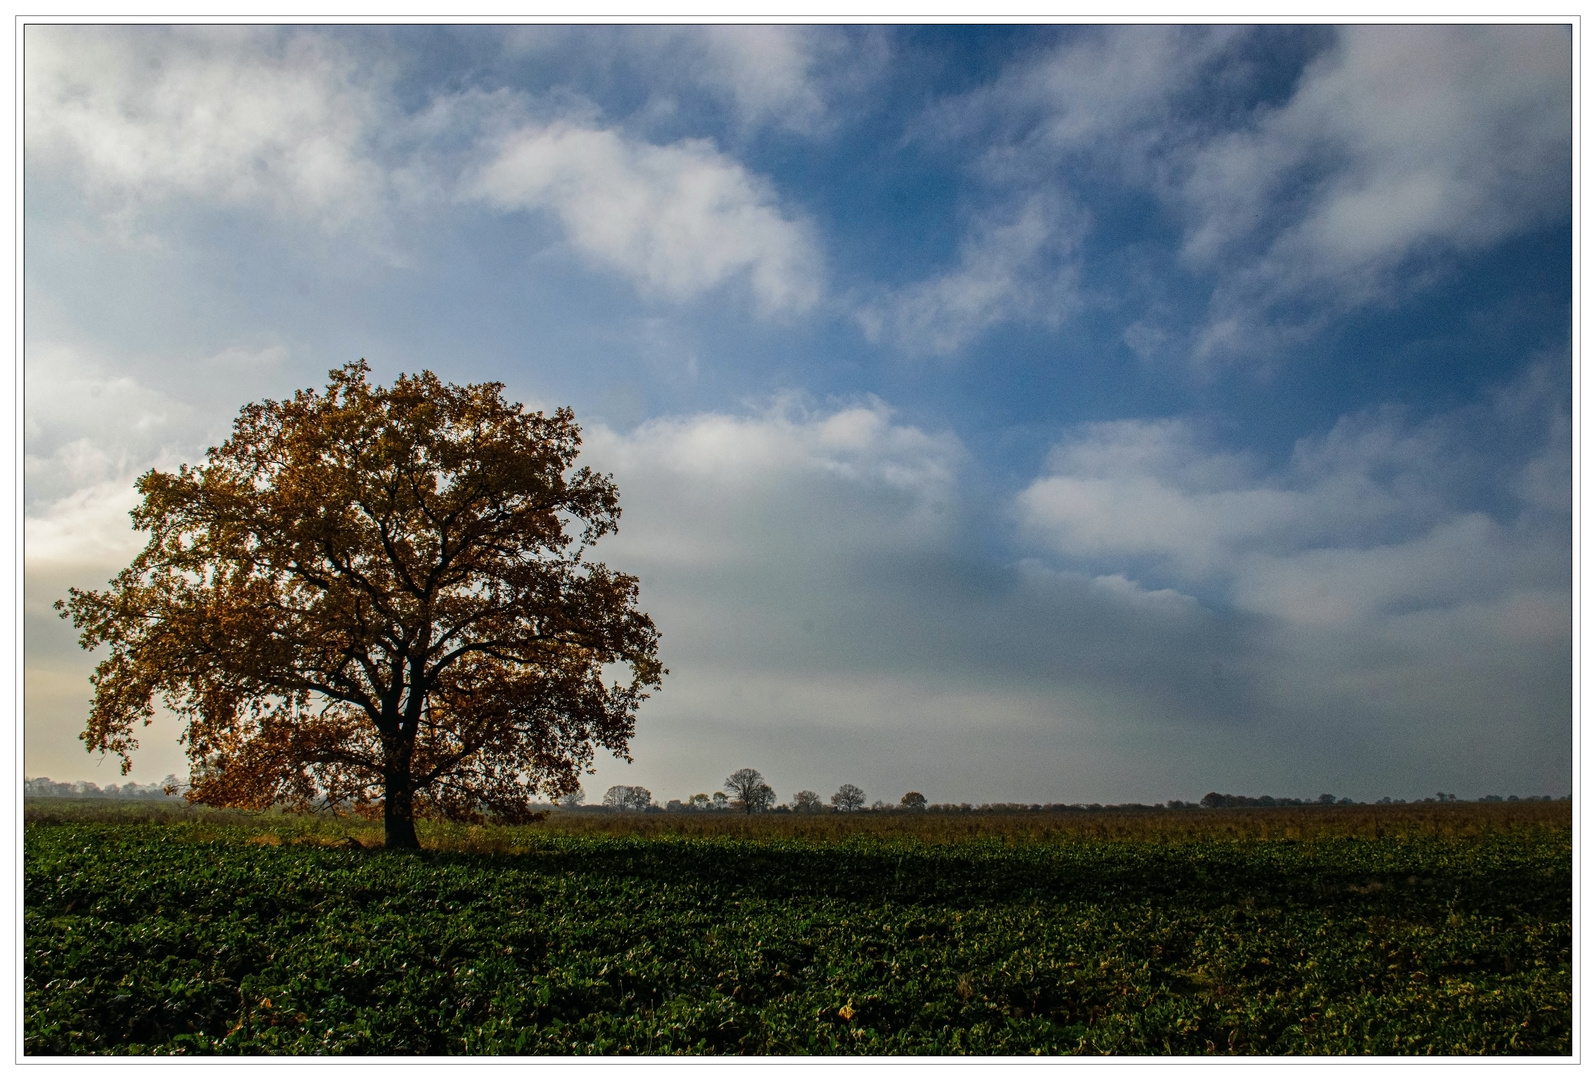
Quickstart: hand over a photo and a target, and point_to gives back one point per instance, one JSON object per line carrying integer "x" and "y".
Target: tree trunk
{"x": 398, "y": 816}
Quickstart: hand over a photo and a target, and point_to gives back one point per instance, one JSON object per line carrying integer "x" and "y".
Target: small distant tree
{"x": 749, "y": 791}
{"x": 1327, "y": 799}
{"x": 806, "y": 802}
{"x": 622, "y": 797}
{"x": 848, "y": 797}
{"x": 572, "y": 799}
{"x": 698, "y": 802}
{"x": 912, "y": 800}
{"x": 719, "y": 801}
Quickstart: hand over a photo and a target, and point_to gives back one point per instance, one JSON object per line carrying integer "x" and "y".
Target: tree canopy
{"x": 376, "y": 597}
{"x": 806, "y": 802}
{"x": 627, "y": 797}
{"x": 749, "y": 791}
{"x": 848, "y": 797}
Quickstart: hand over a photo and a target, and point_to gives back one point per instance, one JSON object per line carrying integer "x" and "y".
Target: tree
{"x": 622, "y": 797}
{"x": 749, "y": 791}
{"x": 573, "y": 798}
{"x": 912, "y": 800}
{"x": 806, "y": 802}
{"x": 848, "y": 797}
{"x": 372, "y": 597}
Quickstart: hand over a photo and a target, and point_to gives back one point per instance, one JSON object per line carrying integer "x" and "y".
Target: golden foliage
{"x": 372, "y": 597}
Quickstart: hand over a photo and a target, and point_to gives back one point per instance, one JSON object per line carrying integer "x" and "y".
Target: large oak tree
{"x": 376, "y": 597}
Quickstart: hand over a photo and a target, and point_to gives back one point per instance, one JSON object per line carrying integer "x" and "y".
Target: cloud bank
{"x": 817, "y": 579}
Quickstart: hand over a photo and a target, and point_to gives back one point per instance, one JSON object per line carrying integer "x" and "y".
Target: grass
{"x": 1304, "y": 824}
{"x": 1422, "y": 929}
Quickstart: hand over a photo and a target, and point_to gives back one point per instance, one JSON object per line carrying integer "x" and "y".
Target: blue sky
{"x": 1009, "y": 413}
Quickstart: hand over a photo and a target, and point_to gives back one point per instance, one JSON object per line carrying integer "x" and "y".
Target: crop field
{"x": 1419, "y": 929}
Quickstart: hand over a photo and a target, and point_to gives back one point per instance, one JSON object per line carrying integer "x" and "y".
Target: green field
{"x": 1402, "y": 930}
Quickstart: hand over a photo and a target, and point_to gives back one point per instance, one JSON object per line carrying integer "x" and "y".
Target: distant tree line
{"x": 748, "y": 793}
{"x": 44, "y": 787}
{"x": 1214, "y": 800}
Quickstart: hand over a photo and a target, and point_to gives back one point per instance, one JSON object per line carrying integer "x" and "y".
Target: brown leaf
{"x": 372, "y": 599}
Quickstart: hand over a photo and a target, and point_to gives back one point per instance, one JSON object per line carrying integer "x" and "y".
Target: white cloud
{"x": 88, "y": 528}
{"x": 769, "y": 71}
{"x": 239, "y": 360}
{"x": 1095, "y": 92}
{"x": 793, "y": 78}
{"x": 1012, "y": 266}
{"x": 838, "y": 541}
{"x": 787, "y": 486}
{"x": 1397, "y": 143}
{"x": 1150, "y": 490}
{"x": 1345, "y": 586}
{"x": 824, "y": 616}
{"x": 1377, "y": 613}
{"x": 1144, "y": 517}
{"x": 234, "y": 115}
{"x": 679, "y": 219}
{"x": 90, "y": 432}
{"x": 1399, "y": 136}
{"x": 1110, "y": 90}
{"x": 86, "y": 424}
{"x": 309, "y": 127}
{"x": 1156, "y": 493}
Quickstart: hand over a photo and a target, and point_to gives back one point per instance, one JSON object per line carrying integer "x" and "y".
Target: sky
{"x": 1020, "y": 413}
